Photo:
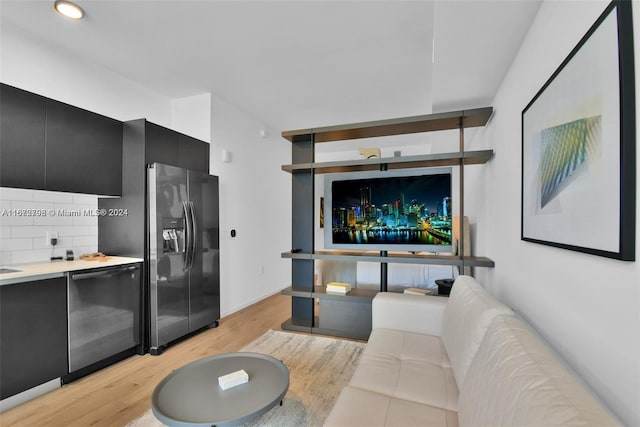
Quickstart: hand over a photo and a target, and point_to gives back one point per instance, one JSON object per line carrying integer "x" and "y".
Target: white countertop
{"x": 46, "y": 270}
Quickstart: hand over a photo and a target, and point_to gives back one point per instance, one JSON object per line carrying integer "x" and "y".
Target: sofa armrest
{"x": 409, "y": 313}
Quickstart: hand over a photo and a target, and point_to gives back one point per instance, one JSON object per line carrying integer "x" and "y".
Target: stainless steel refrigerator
{"x": 184, "y": 253}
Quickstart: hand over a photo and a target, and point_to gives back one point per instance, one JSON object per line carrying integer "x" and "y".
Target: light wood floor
{"x": 120, "y": 393}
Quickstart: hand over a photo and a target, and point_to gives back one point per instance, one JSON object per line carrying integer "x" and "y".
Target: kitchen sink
{"x": 4, "y": 270}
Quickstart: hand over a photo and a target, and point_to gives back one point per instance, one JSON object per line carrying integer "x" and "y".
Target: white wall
{"x": 191, "y": 115}
{"x": 255, "y": 200}
{"x": 586, "y": 306}
{"x": 38, "y": 66}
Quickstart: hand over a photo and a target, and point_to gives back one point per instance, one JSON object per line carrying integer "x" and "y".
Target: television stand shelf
{"x": 401, "y": 258}
{"x": 320, "y": 292}
{"x": 350, "y": 315}
{"x": 347, "y": 315}
{"x": 406, "y": 162}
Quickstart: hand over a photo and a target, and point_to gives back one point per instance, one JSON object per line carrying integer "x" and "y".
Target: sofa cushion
{"x": 408, "y": 366}
{"x": 409, "y": 313}
{"x": 407, "y": 346}
{"x": 466, "y": 318}
{"x": 515, "y": 379}
{"x": 356, "y": 407}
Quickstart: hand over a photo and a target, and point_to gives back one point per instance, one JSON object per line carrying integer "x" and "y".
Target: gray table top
{"x": 191, "y": 396}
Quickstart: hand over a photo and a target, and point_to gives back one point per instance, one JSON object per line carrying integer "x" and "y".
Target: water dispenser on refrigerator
{"x": 173, "y": 235}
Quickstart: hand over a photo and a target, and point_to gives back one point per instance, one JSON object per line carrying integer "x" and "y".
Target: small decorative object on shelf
{"x": 370, "y": 153}
{"x": 444, "y": 286}
{"x": 418, "y": 291}
{"x": 233, "y": 379}
{"x": 339, "y": 288}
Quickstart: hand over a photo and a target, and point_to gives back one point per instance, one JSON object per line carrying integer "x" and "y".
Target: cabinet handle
{"x": 103, "y": 273}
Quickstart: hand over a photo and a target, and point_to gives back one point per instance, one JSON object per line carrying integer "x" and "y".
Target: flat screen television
{"x": 389, "y": 210}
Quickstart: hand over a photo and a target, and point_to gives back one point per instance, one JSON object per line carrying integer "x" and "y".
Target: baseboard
{"x": 226, "y": 313}
{"x": 32, "y": 393}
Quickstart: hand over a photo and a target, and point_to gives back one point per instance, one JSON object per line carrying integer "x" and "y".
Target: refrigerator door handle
{"x": 187, "y": 236}
{"x": 194, "y": 234}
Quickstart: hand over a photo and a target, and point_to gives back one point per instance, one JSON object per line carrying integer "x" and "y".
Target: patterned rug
{"x": 319, "y": 368}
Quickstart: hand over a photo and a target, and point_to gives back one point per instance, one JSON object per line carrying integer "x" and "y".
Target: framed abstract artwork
{"x": 578, "y": 146}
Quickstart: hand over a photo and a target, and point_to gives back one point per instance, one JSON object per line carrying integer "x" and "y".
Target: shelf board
{"x": 420, "y": 161}
{"x": 299, "y": 325}
{"x": 294, "y": 293}
{"x": 407, "y": 258}
{"x": 355, "y": 294}
{"x": 400, "y": 126}
{"x": 344, "y": 333}
{"x": 401, "y": 258}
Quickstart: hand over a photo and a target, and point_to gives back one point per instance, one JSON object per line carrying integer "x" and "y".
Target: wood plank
{"x": 405, "y": 162}
{"x": 400, "y": 126}
{"x": 120, "y": 393}
{"x": 393, "y": 257}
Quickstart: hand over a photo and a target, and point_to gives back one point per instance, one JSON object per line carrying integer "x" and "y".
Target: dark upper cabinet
{"x": 169, "y": 147}
{"x": 33, "y": 334}
{"x": 49, "y": 145}
{"x": 161, "y": 145}
{"x": 22, "y": 139}
{"x": 84, "y": 151}
{"x": 193, "y": 154}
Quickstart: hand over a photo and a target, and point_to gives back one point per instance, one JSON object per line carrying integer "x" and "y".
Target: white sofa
{"x": 466, "y": 360}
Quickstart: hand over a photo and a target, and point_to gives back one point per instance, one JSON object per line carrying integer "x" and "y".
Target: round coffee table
{"x": 191, "y": 396}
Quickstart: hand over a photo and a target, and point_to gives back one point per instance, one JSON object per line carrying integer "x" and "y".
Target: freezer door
{"x": 205, "y": 264}
{"x": 168, "y": 243}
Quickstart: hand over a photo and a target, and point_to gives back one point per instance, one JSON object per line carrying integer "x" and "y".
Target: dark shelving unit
{"x": 349, "y": 315}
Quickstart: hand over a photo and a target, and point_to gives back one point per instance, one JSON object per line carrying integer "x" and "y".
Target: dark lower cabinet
{"x": 33, "y": 334}
{"x": 22, "y": 127}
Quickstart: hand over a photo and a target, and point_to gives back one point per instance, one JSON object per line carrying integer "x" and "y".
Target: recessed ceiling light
{"x": 68, "y": 9}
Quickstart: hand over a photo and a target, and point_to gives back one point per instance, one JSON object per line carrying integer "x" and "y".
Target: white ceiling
{"x": 297, "y": 64}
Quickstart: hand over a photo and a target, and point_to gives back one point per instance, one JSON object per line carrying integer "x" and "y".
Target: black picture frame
{"x": 579, "y": 146}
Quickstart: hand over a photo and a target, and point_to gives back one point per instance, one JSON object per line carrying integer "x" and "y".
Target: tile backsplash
{"x": 28, "y": 215}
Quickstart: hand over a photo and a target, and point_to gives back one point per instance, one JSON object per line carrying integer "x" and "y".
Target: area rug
{"x": 319, "y": 368}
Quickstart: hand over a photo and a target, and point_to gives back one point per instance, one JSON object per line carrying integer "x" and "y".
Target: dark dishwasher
{"x": 104, "y": 317}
